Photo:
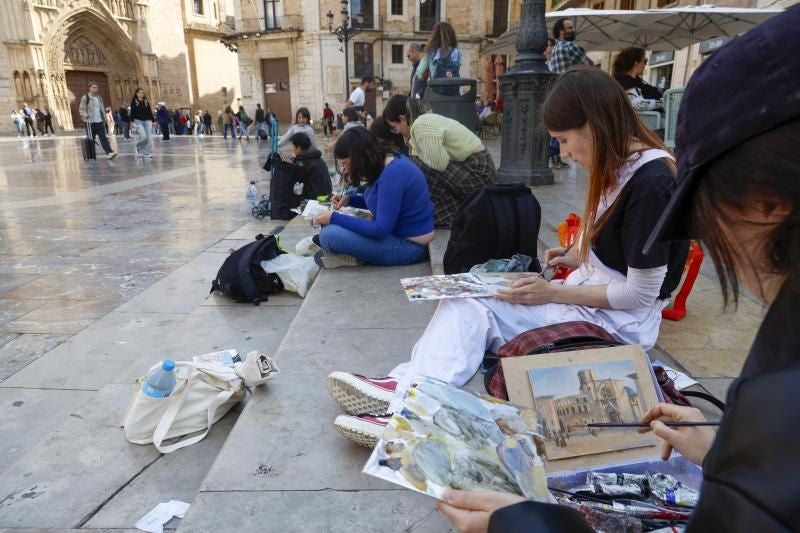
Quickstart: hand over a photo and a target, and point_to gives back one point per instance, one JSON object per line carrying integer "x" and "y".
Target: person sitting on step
{"x": 614, "y": 285}
{"x": 397, "y": 196}
{"x": 454, "y": 160}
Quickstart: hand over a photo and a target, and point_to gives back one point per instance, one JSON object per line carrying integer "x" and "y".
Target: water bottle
{"x": 252, "y": 194}
{"x": 160, "y": 381}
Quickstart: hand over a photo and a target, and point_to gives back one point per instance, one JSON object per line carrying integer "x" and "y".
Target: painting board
{"x": 617, "y": 386}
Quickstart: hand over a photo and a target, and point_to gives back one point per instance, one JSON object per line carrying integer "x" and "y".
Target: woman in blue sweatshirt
{"x": 397, "y": 196}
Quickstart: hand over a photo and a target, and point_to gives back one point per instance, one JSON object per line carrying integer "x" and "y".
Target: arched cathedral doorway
{"x": 90, "y": 45}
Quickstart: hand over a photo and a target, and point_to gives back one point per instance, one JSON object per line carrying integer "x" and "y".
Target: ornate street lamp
{"x": 524, "y": 150}
{"x": 344, "y": 33}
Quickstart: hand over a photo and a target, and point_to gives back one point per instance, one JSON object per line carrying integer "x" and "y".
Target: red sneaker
{"x": 364, "y": 430}
{"x": 358, "y": 394}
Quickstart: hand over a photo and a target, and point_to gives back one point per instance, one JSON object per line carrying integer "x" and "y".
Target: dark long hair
{"x": 393, "y": 141}
{"x": 625, "y": 59}
{"x": 765, "y": 168}
{"x": 366, "y": 155}
{"x": 135, "y": 101}
{"x": 587, "y": 95}
{"x": 400, "y": 105}
{"x": 443, "y": 37}
{"x": 304, "y": 112}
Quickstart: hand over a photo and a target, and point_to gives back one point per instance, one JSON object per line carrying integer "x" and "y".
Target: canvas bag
{"x": 204, "y": 393}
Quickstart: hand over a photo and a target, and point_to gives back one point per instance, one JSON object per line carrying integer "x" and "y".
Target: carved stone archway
{"x": 89, "y": 39}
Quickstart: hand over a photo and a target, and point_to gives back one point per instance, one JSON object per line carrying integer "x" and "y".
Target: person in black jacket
{"x": 142, "y": 116}
{"x": 309, "y": 168}
{"x": 125, "y": 117}
{"x": 738, "y": 191}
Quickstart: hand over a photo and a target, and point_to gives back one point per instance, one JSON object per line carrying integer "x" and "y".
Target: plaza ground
{"x": 105, "y": 268}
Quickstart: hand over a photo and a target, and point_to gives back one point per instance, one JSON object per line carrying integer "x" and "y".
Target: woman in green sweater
{"x": 454, "y": 160}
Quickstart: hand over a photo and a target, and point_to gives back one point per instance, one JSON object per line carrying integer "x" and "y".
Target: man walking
{"x": 125, "y": 118}
{"x": 207, "y": 123}
{"x": 91, "y": 110}
{"x": 566, "y": 53}
{"x": 414, "y": 55}
{"x": 359, "y": 95}
{"x": 27, "y": 114}
{"x": 261, "y": 121}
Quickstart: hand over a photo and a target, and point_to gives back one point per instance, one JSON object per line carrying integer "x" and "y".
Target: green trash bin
{"x": 454, "y": 98}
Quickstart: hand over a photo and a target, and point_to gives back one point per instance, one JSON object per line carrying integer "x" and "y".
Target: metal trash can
{"x": 454, "y": 98}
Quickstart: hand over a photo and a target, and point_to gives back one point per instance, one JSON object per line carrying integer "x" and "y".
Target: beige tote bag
{"x": 204, "y": 393}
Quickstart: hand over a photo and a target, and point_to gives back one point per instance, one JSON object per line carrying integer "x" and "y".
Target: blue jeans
{"x": 225, "y": 131}
{"x": 388, "y": 251}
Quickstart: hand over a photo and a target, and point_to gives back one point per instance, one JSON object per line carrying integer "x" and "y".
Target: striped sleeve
{"x": 427, "y": 141}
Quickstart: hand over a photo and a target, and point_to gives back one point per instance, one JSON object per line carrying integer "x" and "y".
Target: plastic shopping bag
{"x": 296, "y": 272}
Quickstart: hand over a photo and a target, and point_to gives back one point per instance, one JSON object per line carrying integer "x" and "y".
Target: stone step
{"x": 78, "y": 392}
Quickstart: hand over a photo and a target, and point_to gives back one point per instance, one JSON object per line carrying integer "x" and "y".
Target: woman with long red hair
{"x": 614, "y": 285}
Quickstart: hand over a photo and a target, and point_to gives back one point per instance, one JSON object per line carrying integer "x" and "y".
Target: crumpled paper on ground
{"x": 153, "y": 522}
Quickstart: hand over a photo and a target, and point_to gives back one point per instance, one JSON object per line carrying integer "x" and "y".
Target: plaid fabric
{"x": 566, "y": 54}
{"x": 449, "y": 188}
{"x": 541, "y": 340}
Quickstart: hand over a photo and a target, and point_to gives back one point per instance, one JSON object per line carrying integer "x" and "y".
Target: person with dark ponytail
{"x": 401, "y": 226}
{"x": 627, "y": 69}
{"x": 454, "y": 160}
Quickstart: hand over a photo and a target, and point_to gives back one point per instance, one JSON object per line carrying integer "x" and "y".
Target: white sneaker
{"x": 358, "y": 394}
{"x": 364, "y": 430}
{"x": 112, "y": 155}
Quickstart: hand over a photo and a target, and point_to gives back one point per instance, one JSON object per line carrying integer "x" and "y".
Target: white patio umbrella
{"x": 684, "y": 26}
{"x": 608, "y": 29}
{"x": 654, "y": 29}
{"x": 596, "y": 29}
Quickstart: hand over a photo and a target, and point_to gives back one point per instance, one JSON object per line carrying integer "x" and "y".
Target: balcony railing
{"x": 287, "y": 22}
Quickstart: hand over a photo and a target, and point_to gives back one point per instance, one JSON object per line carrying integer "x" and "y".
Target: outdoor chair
{"x": 651, "y": 119}
{"x": 672, "y": 101}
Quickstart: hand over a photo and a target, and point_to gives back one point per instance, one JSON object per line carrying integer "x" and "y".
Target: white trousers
{"x": 462, "y": 330}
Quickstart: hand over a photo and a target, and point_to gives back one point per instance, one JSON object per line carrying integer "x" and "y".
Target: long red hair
{"x": 588, "y": 95}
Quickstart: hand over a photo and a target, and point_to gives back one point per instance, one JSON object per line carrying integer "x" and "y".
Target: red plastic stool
{"x": 567, "y": 232}
{"x": 692, "y": 269}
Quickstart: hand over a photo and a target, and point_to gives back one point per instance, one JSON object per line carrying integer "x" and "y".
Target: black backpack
{"x": 494, "y": 222}
{"x": 241, "y": 276}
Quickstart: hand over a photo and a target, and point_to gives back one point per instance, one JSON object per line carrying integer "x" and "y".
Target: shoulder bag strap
{"x": 171, "y": 413}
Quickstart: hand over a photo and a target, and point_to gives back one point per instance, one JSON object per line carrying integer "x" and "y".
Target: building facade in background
{"x": 288, "y": 58}
{"x": 51, "y": 49}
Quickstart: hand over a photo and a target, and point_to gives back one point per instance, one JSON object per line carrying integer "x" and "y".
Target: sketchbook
{"x": 315, "y": 208}
{"x": 468, "y": 285}
{"x": 444, "y": 437}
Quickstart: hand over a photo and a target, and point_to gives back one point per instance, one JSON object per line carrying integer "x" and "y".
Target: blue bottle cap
{"x": 168, "y": 365}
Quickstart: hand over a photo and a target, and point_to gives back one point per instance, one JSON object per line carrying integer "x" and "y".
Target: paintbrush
{"x": 642, "y": 425}
{"x": 550, "y": 267}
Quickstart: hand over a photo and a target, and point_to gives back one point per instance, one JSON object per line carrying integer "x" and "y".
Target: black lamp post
{"x": 524, "y": 150}
{"x": 344, "y": 33}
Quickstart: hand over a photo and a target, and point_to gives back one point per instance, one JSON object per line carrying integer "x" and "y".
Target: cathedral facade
{"x": 51, "y": 49}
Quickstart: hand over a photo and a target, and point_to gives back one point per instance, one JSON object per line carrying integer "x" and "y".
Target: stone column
{"x": 524, "y": 148}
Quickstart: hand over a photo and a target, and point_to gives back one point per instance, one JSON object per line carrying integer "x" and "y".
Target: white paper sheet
{"x": 153, "y": 522}
{"x": 682, "y": 381}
